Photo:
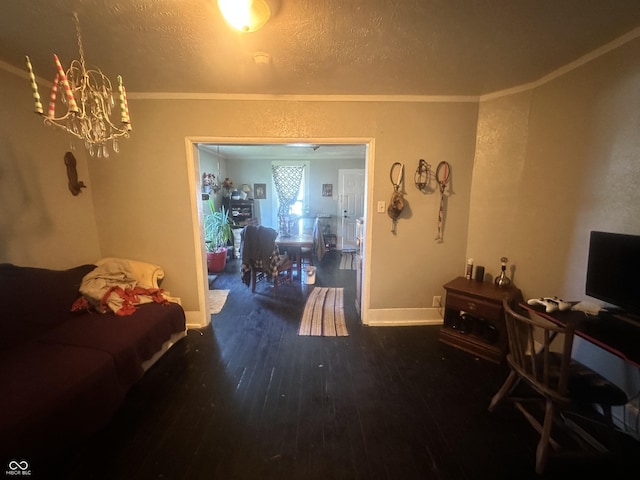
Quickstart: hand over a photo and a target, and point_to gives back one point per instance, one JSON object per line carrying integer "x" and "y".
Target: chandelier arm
{"x": 52, "y": 123}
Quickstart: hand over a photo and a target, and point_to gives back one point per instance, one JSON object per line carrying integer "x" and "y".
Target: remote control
{"x": 551, "y": 304}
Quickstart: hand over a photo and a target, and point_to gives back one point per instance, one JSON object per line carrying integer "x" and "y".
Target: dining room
{"x": 315, "y": 209}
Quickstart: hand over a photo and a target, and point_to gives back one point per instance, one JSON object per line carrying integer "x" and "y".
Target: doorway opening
{"x": 247, "y": 163}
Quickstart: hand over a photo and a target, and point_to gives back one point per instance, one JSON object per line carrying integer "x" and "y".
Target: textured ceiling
{"x": 348, "y": 47}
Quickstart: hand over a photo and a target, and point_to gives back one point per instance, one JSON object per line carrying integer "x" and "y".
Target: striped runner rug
{"x": 323, "y": 314}
{"x": 348, "y": 261}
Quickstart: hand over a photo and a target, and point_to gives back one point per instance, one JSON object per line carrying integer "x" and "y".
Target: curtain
{"x": 287, "y": 180}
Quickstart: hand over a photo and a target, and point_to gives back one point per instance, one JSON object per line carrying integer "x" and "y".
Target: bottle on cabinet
{"x": 469, "y": 270}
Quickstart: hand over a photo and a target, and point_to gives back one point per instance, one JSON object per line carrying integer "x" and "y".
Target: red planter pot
{"x": 216, "y": 261}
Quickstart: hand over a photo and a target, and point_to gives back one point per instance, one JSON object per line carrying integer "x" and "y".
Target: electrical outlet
{"x": 437, "y": 301}
{"x": 381, "y": 206}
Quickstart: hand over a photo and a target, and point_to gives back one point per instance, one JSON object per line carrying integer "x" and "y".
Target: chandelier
{"x": 87, "y": 100}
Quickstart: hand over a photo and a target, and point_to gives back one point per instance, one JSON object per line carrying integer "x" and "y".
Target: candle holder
{"x": 502, "y": 280}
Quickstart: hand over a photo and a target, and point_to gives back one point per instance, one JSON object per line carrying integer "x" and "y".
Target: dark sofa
{"x": 63, "y": 374}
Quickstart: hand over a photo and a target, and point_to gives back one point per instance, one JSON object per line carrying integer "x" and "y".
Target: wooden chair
{"x": 330, "y": 241}
{"x": 319, "y": 245}
{"x": 559, "y": 384}
{"x": 280, "y": 274}
{"x": 306, "y": 256}
{"x": 261, "y": 258}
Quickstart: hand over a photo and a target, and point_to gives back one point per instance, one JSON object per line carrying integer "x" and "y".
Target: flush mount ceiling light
{"x": 245, "y": 15}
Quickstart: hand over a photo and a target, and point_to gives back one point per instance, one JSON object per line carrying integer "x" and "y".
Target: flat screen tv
{"x": 613, "y": 270}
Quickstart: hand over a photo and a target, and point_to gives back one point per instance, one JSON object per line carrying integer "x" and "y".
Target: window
{"x": 297, "y": 207}
{"x": 290, "y": 179}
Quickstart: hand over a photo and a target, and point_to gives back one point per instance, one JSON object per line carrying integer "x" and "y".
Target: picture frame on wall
{"x": 327, "y": 190}
{"x": 260, "y": 191}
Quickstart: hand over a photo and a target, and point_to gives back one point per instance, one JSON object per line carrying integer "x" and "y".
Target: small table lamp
{"x": 246, "y": 189}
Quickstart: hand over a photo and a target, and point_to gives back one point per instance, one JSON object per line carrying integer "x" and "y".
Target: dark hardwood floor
{"x": 247, "y": 398}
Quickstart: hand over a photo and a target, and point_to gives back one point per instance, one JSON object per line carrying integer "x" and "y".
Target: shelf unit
{"x": 241, "y": 211}
{"x": 474, "y": 317}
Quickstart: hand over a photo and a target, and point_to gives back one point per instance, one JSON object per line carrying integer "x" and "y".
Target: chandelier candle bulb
{"x": 123, "y": 109}
{"x": 126, "y": 118}
{"x": 52, "y": 98}
{"x": 73, "y": 107}
{"x": 34, "y": 87}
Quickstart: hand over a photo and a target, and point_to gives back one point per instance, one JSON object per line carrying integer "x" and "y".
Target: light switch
{"x": 381, "y": 206}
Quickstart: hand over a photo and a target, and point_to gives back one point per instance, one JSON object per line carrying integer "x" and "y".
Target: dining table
{"x": 293, "y": 245}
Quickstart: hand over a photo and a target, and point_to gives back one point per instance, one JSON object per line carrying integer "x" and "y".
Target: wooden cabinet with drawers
{"x": 474, "y": 317}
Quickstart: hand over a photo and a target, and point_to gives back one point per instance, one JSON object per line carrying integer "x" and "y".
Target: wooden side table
{"x": 474, "y": 318}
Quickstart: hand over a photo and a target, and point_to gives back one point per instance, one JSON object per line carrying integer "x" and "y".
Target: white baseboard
{"x": 382, "y": 317}
{"x": 402, "y": 317}
{"x": 197, "y": 319}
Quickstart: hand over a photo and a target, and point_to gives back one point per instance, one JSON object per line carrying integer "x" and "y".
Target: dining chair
{"x": 280, "y": 273}
{"x": 330, "y": 241}
{"x": 319, "y": 245}
{"x": 540, "y": 357}
{"x": 306, "y": 256}
{"x": 261, "y": 258}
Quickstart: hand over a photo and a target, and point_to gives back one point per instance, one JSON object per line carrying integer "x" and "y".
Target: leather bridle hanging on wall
{"x": 422, "y": 177}
{"x": 396, "y": 205}
{"x": 443, "y": 174}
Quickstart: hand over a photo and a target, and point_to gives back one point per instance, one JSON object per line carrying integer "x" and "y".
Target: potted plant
{"x": 217, "y": 233}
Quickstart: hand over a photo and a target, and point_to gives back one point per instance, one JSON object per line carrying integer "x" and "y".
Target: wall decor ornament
{"x": 260, "y": 191}
{"x": 327, "y": 190}
{"x": 75, "y": 185}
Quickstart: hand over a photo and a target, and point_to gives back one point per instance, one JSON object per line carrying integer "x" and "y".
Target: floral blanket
{"x": 119, "y": 285}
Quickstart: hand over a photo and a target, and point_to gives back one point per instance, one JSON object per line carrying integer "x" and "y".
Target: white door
{"x": 351, "y": 187}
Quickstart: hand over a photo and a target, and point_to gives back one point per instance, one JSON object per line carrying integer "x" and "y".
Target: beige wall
{"x": 551, "y": 165}
{"x": 41, "y": 223}
{"x": 143, "y": 207}
{"x": 139, "y": 204}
